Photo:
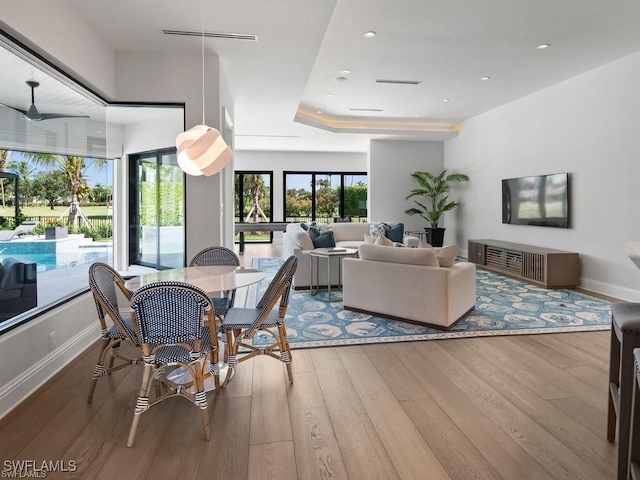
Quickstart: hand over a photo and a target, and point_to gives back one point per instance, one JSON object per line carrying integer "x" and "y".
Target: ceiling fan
{"x": 33, "y": 115}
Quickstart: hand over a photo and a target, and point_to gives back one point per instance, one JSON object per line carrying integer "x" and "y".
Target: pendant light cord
{"x": 203, "y": 103}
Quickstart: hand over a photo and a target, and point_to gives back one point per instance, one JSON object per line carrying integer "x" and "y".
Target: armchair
{"x": 18, "y": 287}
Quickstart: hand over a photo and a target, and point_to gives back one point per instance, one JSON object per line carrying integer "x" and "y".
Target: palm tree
{"x": 4, "y": 161}
{"x": 255, "y": 188}
{"x": 73, "y": 169}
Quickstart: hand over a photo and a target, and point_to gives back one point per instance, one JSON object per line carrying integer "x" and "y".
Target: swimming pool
{"x": 52, "y": 261}
{"x": 56, "y": 254}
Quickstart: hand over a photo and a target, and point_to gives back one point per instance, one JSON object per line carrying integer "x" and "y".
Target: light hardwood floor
{"x": 520, "y": 407}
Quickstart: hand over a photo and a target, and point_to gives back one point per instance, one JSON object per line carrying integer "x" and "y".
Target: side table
{"x": 327, "y": 254}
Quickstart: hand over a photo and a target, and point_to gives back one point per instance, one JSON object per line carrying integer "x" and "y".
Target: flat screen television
{"x": 541, "y": 200}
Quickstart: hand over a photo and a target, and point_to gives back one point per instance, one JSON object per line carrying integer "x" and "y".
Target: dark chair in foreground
{"x": 103, "y": 281}
{"x": 168, "y": 317}
{"x": 18, "y": 287}
{"x": 241, "y": 324}
{"x": 625, "y": 337}
{"x": 212, "y": 256}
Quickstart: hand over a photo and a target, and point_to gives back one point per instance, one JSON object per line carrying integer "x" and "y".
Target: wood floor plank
{"x": 592, "y": 337}
{"x": 403, "y": 385}
{"x": 399, "y": 435}
{"x": 270, "y": 421}
{"x": 591, "y": 376}
{"x": 226, "y": 455}
{"x": 270, "y": 461}
{"x": 593, "y": 449}
{"x": 364, "y": 456}
{"x": 65, "y": 426}
{"x": 242, "y": 382}
{"x": 579, "y": 356}
{"x": 29, "y": 420}
{"x": 179, "y": 450}
{"x": 316, "y": 448}
{"x": 493, "y": 351}
{"x": 301, "y": 362}
{"x": 585, "y": 414}
{"x": 505, "y": 455}
{"x": 110, "y": 427}
{"x": 458, "y": 455}
{"x": 135, "y": 462}
{"x": 518, "y": 345}
{"x": 550, "y": 354}
{"x": 555, "y": 457}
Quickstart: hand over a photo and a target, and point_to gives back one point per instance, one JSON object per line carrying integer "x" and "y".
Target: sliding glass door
{"x": 156, "y": 210}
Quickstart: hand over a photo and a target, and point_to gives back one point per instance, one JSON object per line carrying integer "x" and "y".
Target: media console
{"x": 545, "y": 266}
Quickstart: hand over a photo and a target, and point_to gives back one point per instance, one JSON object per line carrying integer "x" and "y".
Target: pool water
{"x": 52, "y": 261}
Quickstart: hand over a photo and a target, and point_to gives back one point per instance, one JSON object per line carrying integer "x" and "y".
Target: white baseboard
{"x": 16, "y": 391}
{"x": 616, "y": 291}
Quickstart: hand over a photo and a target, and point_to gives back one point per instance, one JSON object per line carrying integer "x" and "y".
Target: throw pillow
{"x": 395, "y": 232}
{"x": 382, "y": 240}
{"x": 324, "y": 239}
{"x": 377, "y": 228}
{"x": 423, "y": 244}
{"x": 369, "y": 239}
{"x": 447, "y": 255}
{"x": 306, "y": 225}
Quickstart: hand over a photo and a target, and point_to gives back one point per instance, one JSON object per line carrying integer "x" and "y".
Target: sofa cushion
{"x": 447, "y": 255}
{"x": 375, "y": 229}
{"x": 395, "y": 232}
{"x": 322, "y": 238}
{"x": 383, "y": 240}
{"x": 410, "y": 256}
{"x": 299, "y": 237}
{"x": 349, "y": 231}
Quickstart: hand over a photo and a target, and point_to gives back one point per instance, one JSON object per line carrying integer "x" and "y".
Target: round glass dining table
{"x": 211, "y": 279}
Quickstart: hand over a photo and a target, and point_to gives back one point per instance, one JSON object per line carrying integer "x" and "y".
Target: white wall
{"x": 65, "y": 39}
{"x": 587, "y": 126}
{"x": 163, "y": 77}
{"x": 391, "y": 163}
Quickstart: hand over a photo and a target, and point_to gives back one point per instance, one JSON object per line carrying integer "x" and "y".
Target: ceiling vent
{"x": 400, "y": 82}
{"x": 366, "y": 110}
{"x": 231, "y": 36}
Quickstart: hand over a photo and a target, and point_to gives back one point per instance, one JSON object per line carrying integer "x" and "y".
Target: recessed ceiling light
{"x": 418, "y": 114}
{"x": 369, "y": 34}
{"x": 543, "y": 46}
{"x": 319, "y": 111}
{"x": 330, "y": 95}
{"x": 485, "y": 78}
{"x": 346, "y": 71}
{"x": 445, "y": 99}
{"x": 340, "y": 79}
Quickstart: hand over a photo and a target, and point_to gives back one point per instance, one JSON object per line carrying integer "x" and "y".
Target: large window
{"x": 156, "y": 210}
{"x": 64, "y": 223}
{"x": 325, "y": 196}
{"x": 254, "y": 202}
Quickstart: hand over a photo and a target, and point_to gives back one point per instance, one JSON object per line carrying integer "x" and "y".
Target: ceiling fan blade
{"x": 23, "y": 112}
{"x": 49, "y": 116}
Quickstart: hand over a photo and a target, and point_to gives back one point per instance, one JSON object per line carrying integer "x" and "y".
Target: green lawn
{"x": 56, "y": 212}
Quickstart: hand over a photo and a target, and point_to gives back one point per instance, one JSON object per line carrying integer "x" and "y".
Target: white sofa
{"x": 408, "y": 284}
{"x": 296, "y": 241}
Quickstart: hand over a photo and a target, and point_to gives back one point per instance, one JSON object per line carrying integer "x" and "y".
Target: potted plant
{"x": 55, "y": 229}
{"x": 434, "y": 189}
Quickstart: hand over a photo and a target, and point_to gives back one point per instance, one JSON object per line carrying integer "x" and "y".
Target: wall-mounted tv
{"x": 541, "y": 200}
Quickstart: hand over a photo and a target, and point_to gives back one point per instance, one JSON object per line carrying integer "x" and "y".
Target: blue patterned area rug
{"x": 504, "y": 306}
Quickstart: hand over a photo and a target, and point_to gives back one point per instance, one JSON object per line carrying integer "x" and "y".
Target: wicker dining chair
{"x": 212, "y": 256}
{"x": 168, "y": 318}
{"x": 105, "y": 282}
{"x": 241, "y": 324}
